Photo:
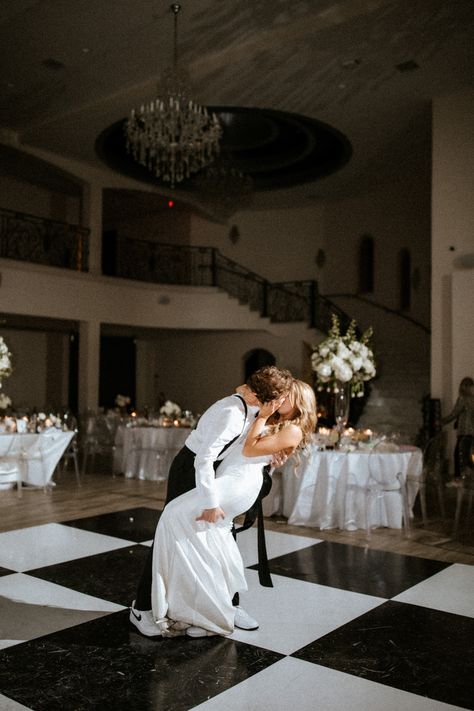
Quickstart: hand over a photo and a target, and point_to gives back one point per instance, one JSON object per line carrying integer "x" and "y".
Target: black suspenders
{"x": 226, "y": 446}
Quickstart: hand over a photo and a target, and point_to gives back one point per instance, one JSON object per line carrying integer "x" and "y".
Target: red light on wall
{"x": 170, "y": 203}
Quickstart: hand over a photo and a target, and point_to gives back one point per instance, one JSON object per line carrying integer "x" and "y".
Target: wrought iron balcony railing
{"x": 41, "y": 241}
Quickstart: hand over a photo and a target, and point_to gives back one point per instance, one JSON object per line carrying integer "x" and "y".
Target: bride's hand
{"x": 211, "y": 515}
{"x": 269, "y": 408}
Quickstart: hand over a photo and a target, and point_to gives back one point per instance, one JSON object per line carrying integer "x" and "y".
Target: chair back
{"x": 384, "y": 474}
{"x": 433, "y": 459}
{"x": 99, "y": 428}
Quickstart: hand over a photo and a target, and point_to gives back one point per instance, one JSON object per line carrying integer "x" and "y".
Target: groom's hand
{"x": 279, "y": 458}
{"x": 211, "y": 515}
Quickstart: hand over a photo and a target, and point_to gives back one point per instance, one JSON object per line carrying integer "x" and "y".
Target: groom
{"x": 221, "y": 428}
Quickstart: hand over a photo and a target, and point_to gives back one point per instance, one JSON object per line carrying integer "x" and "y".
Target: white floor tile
{"x": 7, "y": 704}
{"x": 4, "y": 643}
{"x": 294, "y": 613}
{"x": 277, "y": 544}
{"x": 295, "y": 684}
{"x": 450, "y": 590}
{"x": 39, "y": 546}
{"x": 33, "y": 591}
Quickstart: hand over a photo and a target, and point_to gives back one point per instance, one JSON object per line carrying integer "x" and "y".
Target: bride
{"x": 197, "y": 566}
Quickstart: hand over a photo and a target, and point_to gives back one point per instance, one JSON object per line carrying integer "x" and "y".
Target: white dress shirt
{"x": 218, "y": 426}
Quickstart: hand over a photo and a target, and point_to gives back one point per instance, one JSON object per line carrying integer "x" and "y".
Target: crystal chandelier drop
{"x": 225, "y": 187}
{"x": 173, "y": 136}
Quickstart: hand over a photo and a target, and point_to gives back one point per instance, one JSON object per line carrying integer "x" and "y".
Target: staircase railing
{"x": 382, "y": 307}
{"x": 34, "y": 239}
{"x": 281, "y": 302}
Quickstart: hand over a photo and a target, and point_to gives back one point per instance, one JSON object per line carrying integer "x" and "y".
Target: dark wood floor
{"x": 103, "y": 493}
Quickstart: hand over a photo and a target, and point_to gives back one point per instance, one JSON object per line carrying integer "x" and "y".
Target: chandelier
{"x": 173, "y": 136}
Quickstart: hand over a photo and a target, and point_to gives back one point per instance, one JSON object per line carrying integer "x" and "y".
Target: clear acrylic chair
{"x": 71, "y": 454}
{"x": 11, "y": 471}
{"x": 432, "y": 476}
{"x": 383, "y": 482}
{"x": 465, "y": 493}
{"x": 145, "y": 453}
{"x": 33, "y": 452}
{"x": 97, "y": 436}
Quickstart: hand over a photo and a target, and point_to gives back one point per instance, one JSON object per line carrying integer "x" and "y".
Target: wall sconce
{"x": 234, "y": 234}
{"x": 465, "y": 261}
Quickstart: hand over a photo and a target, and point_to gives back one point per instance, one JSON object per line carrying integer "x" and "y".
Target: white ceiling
{"x": 333, "y": 60}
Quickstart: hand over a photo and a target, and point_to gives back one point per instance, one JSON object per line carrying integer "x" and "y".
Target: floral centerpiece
{"x": 170, "y": 409}
{"x": 343, "y": 359}
{"x": 5, "y": 360}
{"x": 5, "y": 401}
{"x": 122, "y": 402}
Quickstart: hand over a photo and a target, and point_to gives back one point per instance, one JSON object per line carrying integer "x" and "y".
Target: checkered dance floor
{"x": 342, "y": 628}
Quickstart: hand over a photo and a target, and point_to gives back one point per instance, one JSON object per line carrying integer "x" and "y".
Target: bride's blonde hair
{"x": 304, "y": 415}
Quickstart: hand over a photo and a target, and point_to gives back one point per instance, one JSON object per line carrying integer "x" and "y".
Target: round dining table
{"x": 36, "y": 454}
{"x": 146, "y": 452}
{"x": 329, "y": 489}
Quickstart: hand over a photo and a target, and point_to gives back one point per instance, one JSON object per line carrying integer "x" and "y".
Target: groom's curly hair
{"x": 270, "y": 382}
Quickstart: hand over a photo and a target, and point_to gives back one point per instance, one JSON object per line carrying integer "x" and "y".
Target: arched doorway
{"x": 256, "y": 359}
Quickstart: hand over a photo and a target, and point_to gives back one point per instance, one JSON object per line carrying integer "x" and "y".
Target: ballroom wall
{"x": 194, "y": 369}
{"x": 397, "y": 215}
{"x": 25, "y": 196}
{"x": 452, "y": 286}
{"x": 282, "y": 245}
{"x": 40, "y": 368}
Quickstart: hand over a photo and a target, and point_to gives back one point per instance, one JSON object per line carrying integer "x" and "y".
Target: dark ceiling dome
{"x": 276, "y": 149}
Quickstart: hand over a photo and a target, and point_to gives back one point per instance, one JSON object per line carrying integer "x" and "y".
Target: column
{"x": 89, "y": 365}
{"x": 92, "y": 218}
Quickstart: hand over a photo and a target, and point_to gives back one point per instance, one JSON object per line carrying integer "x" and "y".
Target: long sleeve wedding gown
{"x": 197, "y": 566}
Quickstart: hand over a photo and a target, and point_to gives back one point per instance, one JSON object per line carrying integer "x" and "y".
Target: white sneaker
{"x": 199, "y": 632}
{"x": 243, "y": 620}
{"x": 144, "y": 622}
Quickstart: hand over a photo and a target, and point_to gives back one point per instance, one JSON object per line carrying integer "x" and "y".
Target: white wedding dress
{"x": 197, "y": 567}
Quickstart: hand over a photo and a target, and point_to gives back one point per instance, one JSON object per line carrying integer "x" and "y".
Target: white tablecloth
{"x": 326, "y": 490}
{"x": 147, "y": 452}
{"x": 38, "y": 454}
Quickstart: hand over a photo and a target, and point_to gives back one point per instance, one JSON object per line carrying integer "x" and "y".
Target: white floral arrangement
{"x": 343, "y": 359}
{"x": 45, "y": 421}
{"x": 5, "y": 360}
{"x": 5, "y": 401}
{"x": 170, "y": 409}
{"x": 122, "y": 400}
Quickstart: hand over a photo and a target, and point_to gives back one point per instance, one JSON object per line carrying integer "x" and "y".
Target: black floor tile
{"x": 105, "y": 665}
{"x": 5, "y": 571}
{"x": 362, "y": 570}
{"x": 423, "y": 651}
{"x": 111, "y": 576}
{"x": 132, "y": 524}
